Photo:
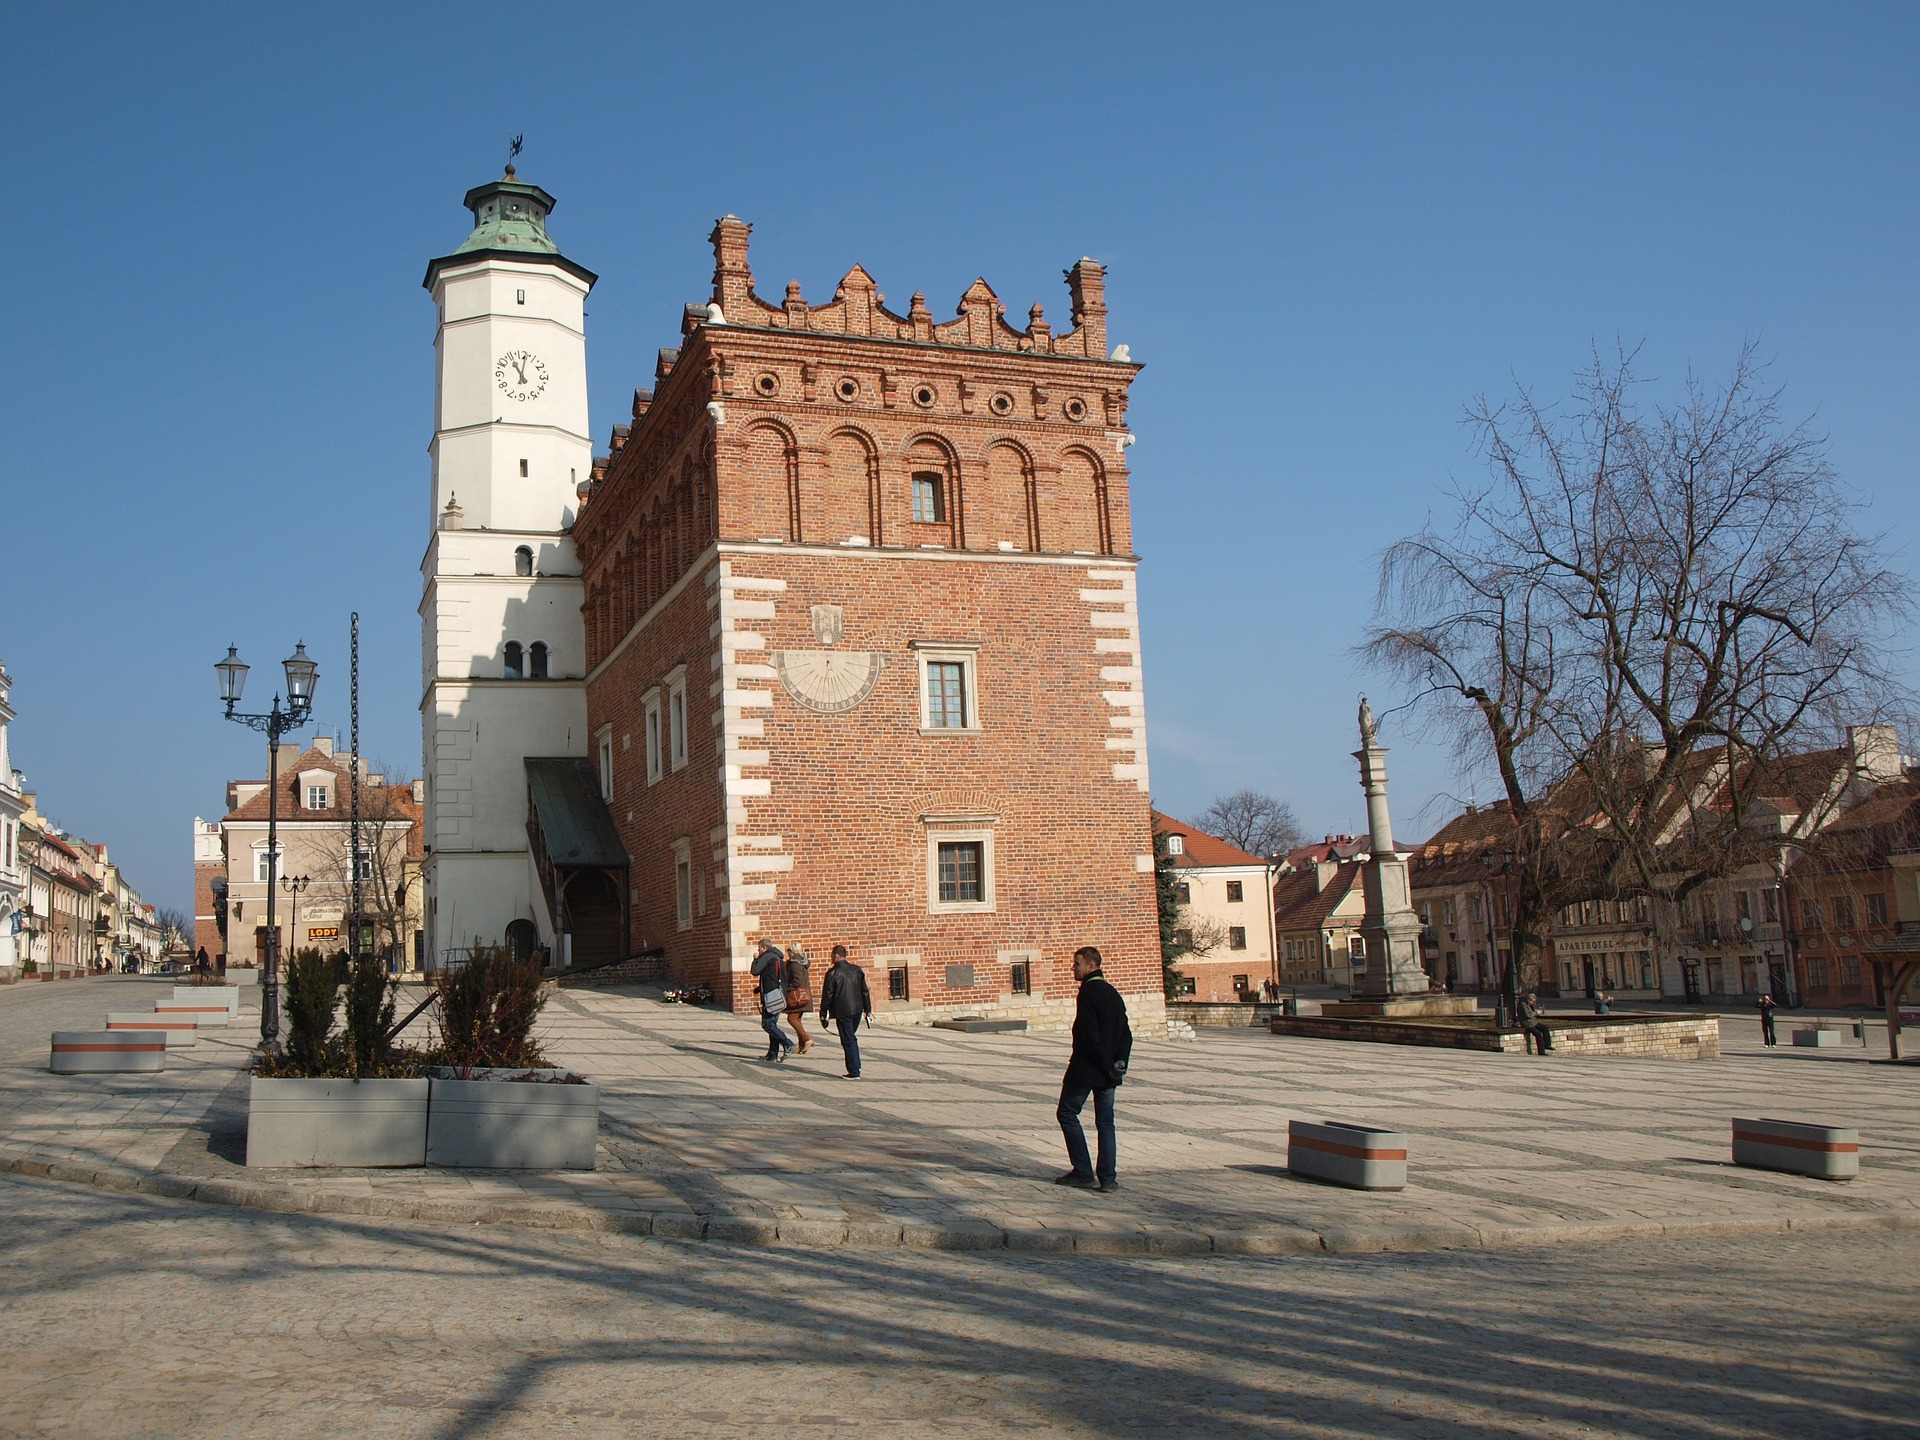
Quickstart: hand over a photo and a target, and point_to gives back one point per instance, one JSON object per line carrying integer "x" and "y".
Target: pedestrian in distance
{"x": 1603, "y": 1004}
{"x": 799, "y": 988}
{"x": 202, "y": 967}
{"x": 769, "y": 969}
{"x": 1765, "y": 1002}
{"x": 1102, "y": 1047}
{"x": 845, "y": 999}
{"x": 1539, "y": 1037}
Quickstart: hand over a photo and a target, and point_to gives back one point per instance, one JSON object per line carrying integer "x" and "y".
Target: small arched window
{"x": 513, "y": 659}
{"x": 537, "y": 660}
{"x": 523, "y": 561}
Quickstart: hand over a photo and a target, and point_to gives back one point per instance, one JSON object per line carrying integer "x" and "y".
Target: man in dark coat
{"x": 1765, "y": 1002}
{"x": 1102, "y": 1046}
{"x": 846, "y": 1000}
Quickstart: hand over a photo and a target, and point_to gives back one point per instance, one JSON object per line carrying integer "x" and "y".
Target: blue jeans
{"x": 776, "y": 1037}
{"x": 1072, "y": 1097}
{"x": 850, "y": 1042}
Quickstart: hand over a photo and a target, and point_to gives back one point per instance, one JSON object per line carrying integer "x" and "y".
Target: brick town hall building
{"x": 839, "y": 643}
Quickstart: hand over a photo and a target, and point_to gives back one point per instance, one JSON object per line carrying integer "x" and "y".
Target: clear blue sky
{"x": 1327, "y": 227}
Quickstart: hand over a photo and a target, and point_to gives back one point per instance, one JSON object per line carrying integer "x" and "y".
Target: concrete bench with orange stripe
{"x": 1357, "y": 1156}
{"x": 202, "y": 1015}
{"x": 1826, "y": 1152}
{"x": 178, "y": 1029}
{"x": 107, "y": 1052}
{"x": 227, "y": 995}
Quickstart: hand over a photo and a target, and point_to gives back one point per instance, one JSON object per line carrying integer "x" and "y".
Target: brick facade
{"x": 754, "y": 543}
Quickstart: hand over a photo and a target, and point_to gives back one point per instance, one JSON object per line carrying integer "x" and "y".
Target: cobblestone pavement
{"x": 136, "y": 1316}
{"x": 949, "y": 1139}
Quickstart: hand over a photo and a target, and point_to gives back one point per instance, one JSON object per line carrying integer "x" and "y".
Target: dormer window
{"x": 316, "y": 797}
{"x": 1176, "y": 844}
{"x": 316, "y": 789}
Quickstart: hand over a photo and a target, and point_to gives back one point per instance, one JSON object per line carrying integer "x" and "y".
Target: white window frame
{"x": 967, "y": 656}
{"x": 683, "y": 884}
{"x": 676, "y": 721}
{"x": 260, "y": 862}
{"x": 314, "y": 791}
{"x": 650, "y": 727}
{"x": 603, "y": 753}
{"x": 1176, "y": 844}
{"x": 980, "y": 832}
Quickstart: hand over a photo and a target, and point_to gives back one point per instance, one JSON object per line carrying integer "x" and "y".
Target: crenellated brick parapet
{"x": 859, "y": 309}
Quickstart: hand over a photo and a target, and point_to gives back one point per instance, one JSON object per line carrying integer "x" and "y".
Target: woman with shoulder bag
{"x": 769, "y": 968}
{"x": 799, "y": 989}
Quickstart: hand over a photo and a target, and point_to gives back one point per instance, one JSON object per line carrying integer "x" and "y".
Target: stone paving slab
{"x": 948, "y": 1141}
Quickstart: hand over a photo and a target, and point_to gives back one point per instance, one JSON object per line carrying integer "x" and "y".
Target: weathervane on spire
{"x": 514, "y": 149}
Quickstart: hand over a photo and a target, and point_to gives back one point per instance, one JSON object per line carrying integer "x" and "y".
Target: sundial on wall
{"x": 829, "y": 681}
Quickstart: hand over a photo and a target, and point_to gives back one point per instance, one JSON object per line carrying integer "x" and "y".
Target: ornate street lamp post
{"x": 301, "y": 675}
{"x": 295, "y": 884}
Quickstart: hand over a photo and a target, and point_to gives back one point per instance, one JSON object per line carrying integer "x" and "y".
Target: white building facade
{"x": 13, "y": 867}
{"x": 503, "y": 644}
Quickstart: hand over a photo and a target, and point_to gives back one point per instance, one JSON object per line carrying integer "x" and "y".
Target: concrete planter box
{"x": 1817, "y": 1039}
{"x": 1357, "y": 1156}
{"x": 358, "y": 1123}
{"x": 179, "y": 1029}
{"x": 205, "y": 1016}
{"x": 227, "y": 995}
{"x": 500, "y": 1124}
{"x": 107, "y": 1052}
{"x": 1826, "y": 1152}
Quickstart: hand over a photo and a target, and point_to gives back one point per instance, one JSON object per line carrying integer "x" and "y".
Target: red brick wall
{"x": 807, "y": 424}
{"x": 206, "y": 930}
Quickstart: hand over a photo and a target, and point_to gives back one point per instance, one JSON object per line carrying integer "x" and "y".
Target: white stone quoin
{"x": 510, "y": 449}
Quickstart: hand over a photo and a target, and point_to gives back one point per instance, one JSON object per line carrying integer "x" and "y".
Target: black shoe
{"x": 1107, "y": 1187}
{"x": 1077, "y": 1181}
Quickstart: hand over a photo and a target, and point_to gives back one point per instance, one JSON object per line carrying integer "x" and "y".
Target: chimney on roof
{"x": 1323, "y": 871}
{"x": 1874, "y": 751}
{"x": 324, "y": 744}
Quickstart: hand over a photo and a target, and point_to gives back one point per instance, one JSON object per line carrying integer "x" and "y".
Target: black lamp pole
{"x": 301, "y": 675}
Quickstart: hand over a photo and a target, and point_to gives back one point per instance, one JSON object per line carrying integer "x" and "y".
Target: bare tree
{"x": 1257, "y": 823}
{"x": 176, "y": 926}
{"x": 1634, "y": 624}
{"x": 388, "y": 822}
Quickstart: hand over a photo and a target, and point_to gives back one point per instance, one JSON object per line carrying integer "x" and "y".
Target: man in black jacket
{"x": 1102, "y": 1046}
{"x": 845, "y": 999}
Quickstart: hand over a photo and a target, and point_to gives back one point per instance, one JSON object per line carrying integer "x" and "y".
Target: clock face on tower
{"x": 521, "y": 373}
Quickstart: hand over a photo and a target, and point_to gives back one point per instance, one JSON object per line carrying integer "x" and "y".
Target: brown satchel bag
{"x": 799, "y": 987}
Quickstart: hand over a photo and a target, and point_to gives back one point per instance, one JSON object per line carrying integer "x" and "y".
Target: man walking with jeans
{"x": 845, "y": 1000}
{"x": 1102, "y": 1045}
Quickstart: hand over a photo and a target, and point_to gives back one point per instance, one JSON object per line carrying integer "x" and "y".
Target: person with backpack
{"x": 769, "y": 969}
{"x": 799, "y": 988}
{"x": 1102, "y": 1047}
{"x": 845, "y": 999}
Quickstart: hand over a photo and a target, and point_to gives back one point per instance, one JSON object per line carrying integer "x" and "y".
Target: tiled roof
{"x": 1199, "y": 848}
{"x": 1298, "y": 903}
{"x": 390, "y": 802}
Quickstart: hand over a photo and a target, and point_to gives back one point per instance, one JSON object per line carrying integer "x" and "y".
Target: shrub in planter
{"x": 488, "y": 1007}
{"x": 313, "y": 987}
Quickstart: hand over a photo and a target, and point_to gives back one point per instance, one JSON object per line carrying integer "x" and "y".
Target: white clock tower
{"x": 503, "y": 645}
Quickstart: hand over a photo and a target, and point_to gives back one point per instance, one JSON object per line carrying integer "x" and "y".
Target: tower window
{"x": 513, "y": 666}
{"x": 523, "y": 469}
{"x": 537, "y": 660}
{"x": 929, "y": 498}
{"x": 519, "y": 297}
{"x": 523, "y": 561}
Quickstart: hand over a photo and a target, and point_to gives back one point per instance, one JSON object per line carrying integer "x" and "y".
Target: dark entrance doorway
{"x": 1586, "y": 976}
{"x": 592, "y": 904}
{"x": 522, "y": 936}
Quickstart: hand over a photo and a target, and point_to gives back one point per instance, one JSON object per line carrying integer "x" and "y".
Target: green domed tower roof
{"x": 510, "y": 221}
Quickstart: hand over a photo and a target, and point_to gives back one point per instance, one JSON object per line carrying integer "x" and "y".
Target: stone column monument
{"x": 1391, "y": 983}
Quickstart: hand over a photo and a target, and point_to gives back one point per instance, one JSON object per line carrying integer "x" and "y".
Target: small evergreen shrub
{"x": 488, "y": 1007}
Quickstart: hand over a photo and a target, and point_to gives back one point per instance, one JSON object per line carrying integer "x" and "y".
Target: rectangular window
{"x": 1770, "y": 906}
{"x": 677, "y": 722}
{"x": 1183, "y": 938}
{"x": 683, "y": 891}
{"x": 1745, "y": 899}
{"x": 1876, "y": 909}
{"x": 1357, "y": 949}
{"x": 1235, "y": 892}
{"x": 1186, "y": 986}
{"x": 523, "y": 469}
{"x": 1183, "y": 892}
{"x": 316, "y": 797}
{"x": 1242, "y": 984}
{"x": 947, "y": 695}
{"x": 1850, "y": 970}
{"x": 653, "y": 739}
{"x": 260, "y": 864}
{"x": 1843, "y": 911}
{"x": 1809, "y": 914}
{"x": 897, "y": 983}
{"x": 606, "y": 765}
{"x": 1817, "y": 972}
{"x": 1236, "y": 937}
{"x": 929, "y": 498}
{"x": 365, "y": 866}
{"x": 1021, "y": 977}
{"x": 961, "y": 864}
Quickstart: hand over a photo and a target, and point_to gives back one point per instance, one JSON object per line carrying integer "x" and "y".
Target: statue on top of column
{"x": 1368, "y": 734}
